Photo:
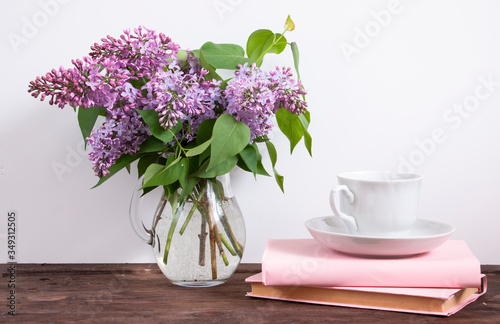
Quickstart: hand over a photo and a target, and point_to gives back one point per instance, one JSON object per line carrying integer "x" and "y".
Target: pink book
{"x": 303, "y": 262}
{"x": 432, "y": 301}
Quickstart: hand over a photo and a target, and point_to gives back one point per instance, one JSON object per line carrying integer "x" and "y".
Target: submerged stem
{"x": 227, "y": 227}
{"x": 191, "y": 212}
{"x": 219, "y": 245}
{"x": 171, "y": 230}
{"x": 227, "y": 244}
{"x": 212, "y": 246}
{"x": 217, "y": 239}
{"x": 203, "y": 238}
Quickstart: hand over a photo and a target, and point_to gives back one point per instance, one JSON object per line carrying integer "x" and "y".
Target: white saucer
{"x": 332, "y": 233}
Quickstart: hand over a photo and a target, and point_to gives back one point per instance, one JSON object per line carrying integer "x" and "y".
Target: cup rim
{"x": 361, "y": 176}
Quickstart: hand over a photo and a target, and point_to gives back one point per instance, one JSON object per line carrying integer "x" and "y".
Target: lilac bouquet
{"x": 169, "y": 110}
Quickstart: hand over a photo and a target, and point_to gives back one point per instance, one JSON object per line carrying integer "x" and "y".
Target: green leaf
{"x": 229, "y": 138}
{"x": 122, "y": 162}
{"x": 152, "y": 170}
{"x": 279, "y": 180}
{"x": 182, "y": 55}
{"x": 151, "y": 118}
{"x": 222, "y": 168}
{"x": 204, "y": 134}
{"x": 223, "y": 56}
{"x": 138, "y": 84}
{"x": 273, "y": 155}
{"x": 264, "y": 41}
{"x": 197, "y": 150}
{"x": 152, "y": 144}
{"x": 295, "y": 53}
{"x": 261, "y": 139}
{"x": 218, "y": 188}
{"x": 291, "y": 125}
{"x": 171, "y": 192}
{"x": 211, "y": 71}
{"x": 252, "y": 160}
{"x": 162, "y": 175}
{"x": 145, "y": 161}
{"x": 242, "y": 165}
{"x": 305, "y": 119}
{"x": 172, "y": 199}
{"x": 188, "y": 187}
{"x": 274, "y": 158}
{"x": 87, "y": 118}
{"x": 184, "y": 171}
{"x": 308, "y": 142}
{"x": 205, "y": 131}
{"x": 147, "y": 190}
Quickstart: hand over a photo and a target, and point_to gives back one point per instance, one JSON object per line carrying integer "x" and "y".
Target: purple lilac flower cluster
{"x": 140, "y": 70}
{"x": 289, "y": 93}
{"x": 143, "y": 52}
{"x": 181, "y": 94}
{"x": 254, "y": 96}
{"x": 114, "y": 138}
{"x": 83, "y": 85}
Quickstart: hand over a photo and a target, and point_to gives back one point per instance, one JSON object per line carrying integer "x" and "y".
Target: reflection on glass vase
{"x": 199, "y": 242}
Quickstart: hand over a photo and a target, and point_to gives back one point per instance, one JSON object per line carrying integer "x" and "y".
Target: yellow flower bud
{"x": 289, "y": 25}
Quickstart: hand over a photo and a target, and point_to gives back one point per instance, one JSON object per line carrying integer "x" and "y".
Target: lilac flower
{"x": 115, "y": 138}
{"x": 254, "y": 96}
{"x": 104, "y": 80}
{"x": 288, "y": 92}
{"x": 250, "y": 100}
{"x": 144, "y": 52}
{"x": 129, "y": 93}
{"x": 182, "y": 96}
{"x": 140, "y": 70}
{"x": 64, "y": 86}
{"x": 190, "y": 65}
{"x": 83, "y": 85}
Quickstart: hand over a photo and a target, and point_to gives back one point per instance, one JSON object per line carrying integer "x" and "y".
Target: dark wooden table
{"x": 139, "y": 293}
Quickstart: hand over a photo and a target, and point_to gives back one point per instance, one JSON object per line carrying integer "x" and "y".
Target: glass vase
{"x": 199, "y": 242}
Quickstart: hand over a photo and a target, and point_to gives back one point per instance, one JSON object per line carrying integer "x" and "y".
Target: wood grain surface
{"x": 139, "y": 293}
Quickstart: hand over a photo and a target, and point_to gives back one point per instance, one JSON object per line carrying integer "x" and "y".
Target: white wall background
{"x": 423, "y": 87}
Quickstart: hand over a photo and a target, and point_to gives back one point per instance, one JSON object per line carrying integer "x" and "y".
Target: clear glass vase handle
{"x": 136, "y": 214}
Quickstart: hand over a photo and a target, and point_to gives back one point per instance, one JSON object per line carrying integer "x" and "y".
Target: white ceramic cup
{"x": 377, "y": 203}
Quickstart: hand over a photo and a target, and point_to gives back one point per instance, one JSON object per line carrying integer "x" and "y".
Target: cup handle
{"x": 349, "y": 220}
{"x": 136, "y": 215}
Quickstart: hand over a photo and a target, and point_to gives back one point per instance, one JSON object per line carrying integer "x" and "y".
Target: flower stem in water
{"x": 203, "y": 238}
{"x": 191, "y": 212}
{"x": 171, "y": 233}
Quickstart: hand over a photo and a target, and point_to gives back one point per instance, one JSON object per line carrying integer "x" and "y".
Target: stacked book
{"x": 439, "y": 282}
